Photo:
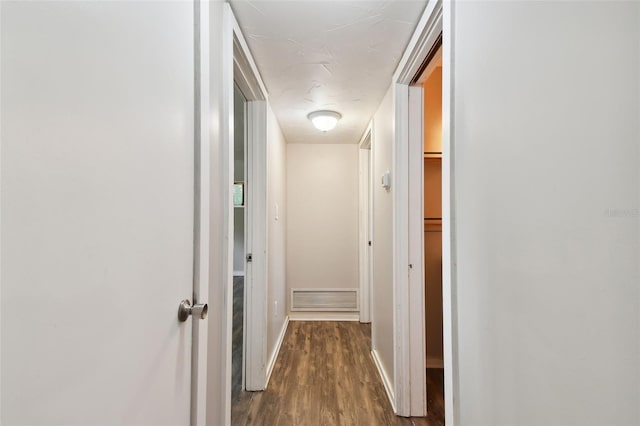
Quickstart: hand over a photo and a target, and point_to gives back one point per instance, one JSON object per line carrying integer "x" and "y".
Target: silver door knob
{"x": 199, "y": 310}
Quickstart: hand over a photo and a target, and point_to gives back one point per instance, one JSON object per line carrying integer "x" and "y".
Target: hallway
{"x": 325, "y": 376}
{"x": 120, "y": 189}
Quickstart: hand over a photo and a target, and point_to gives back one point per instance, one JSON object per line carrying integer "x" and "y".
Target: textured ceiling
{"x": 324, "y": 54}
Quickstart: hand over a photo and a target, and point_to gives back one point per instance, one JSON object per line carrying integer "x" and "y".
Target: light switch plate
{"x": 386, "y": 180}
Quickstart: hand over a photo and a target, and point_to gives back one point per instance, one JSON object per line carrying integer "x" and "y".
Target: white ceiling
{"x": 326, "y": 54}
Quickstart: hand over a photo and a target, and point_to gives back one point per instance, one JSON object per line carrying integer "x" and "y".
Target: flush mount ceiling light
{"x": 324, "y": 120}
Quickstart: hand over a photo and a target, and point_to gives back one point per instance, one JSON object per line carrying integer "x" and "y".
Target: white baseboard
{"x": 276, "y": 350}
{"x": 324, "y": 316}
{"x": 238, "y": 273}
{"x": 385, "y": 380}
{"x": 433, "y": 362}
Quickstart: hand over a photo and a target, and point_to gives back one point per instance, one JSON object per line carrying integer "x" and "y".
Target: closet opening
{"x": 426, "y": 190}
{"x": 423, "y": 223}
{"x": 431, "y": 81}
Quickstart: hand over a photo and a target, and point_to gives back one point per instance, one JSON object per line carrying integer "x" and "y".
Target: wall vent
{"x": 324, "y": 299}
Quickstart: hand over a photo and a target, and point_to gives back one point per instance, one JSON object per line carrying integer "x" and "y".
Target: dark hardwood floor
{"x": 325, "y": 375}
{"x": 435, "y": 396}
{"x": 237, "y": 337}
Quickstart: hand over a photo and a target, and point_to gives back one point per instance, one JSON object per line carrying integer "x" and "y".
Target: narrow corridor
{"x": 325, "y": 375}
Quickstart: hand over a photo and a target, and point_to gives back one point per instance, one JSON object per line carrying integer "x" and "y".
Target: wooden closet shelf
{"x": 433, "y": 156}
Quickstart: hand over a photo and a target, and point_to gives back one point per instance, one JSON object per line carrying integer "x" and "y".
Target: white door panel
{"x": 97, "y": 212}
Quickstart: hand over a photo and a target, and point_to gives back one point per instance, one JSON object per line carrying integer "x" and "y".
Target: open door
{"x": 421, "y": 228}
{"x": 97, "y": 192}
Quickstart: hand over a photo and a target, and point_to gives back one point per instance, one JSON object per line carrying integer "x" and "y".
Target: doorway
{"x": 240, "y": 199}
{"x": 431, "y": 82}
{"x": 431, "y": 41}
{"x": 245, "y": 222}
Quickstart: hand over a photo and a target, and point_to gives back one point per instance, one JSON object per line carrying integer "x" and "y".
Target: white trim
{"x": 437, "y": 19}
{"x": 236, "y": 59}
{"x": 449, "y": 279}
{"x": 276, "y": 350}
{"x": 385, "y": 379}
{"x": 417, "y": 309}
{"x": 238, "y": 273}
{"x": 364, "y": 235}
{"x": 251, "y": 83}
{"x": 225, "y": 174}
{"x": 247, "y": 216}
{"x": 256, "y": 272}
{"x": 401, "y": 315}
{"x": 427, "y": 31}
{"x": 324, "y": 316}
{"x": 402, "y": 298}
{"x": 372, "y": 236}
{"x": 201, "y": 250}
{"x": 365, "y": 139}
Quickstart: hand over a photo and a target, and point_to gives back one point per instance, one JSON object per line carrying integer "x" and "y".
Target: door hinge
{"x": 249, "y": 257}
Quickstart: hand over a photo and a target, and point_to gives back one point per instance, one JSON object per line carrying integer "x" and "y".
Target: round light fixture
{"x": 324, "y": 120}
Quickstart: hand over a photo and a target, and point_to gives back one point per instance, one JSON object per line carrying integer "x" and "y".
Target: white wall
{"x": 547, "y": 113}
{"x": 382, "y": 307}
{"x": 322, "y": 221}
{"x": 276, "y": 231}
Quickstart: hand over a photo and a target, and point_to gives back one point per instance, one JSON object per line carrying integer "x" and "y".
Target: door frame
{"x": 255, "y": 346}
{"x": 408, "y": 224}
{"x": 242, "y": 70}
{"x": 201, "y": 192}
{"x": 225, "y": 51}
{"x": 365, "y": 190}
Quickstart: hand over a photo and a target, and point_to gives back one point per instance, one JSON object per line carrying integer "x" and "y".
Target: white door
{"x": 97, "y": 184}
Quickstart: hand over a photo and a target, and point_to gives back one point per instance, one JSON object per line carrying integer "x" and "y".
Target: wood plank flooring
{"x": 325, "y": 375}
{"x": 237, "y": 338}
